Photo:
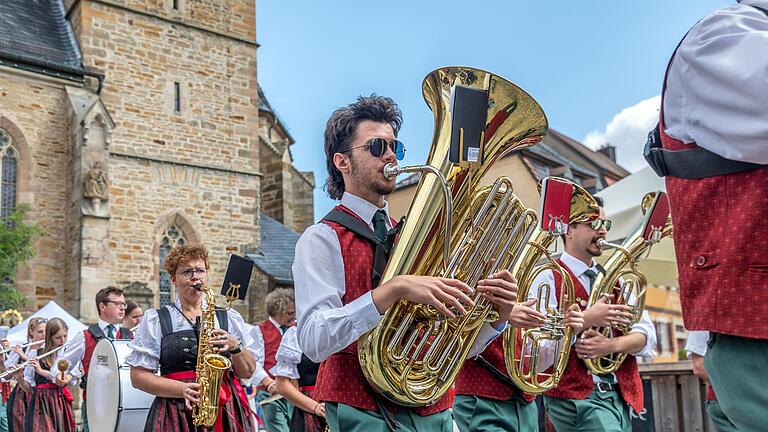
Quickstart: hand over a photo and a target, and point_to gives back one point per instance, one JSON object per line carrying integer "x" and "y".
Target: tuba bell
{"x": 523, "y": 348}
{"x": 455, "y": 228}
{"x": 623, "y": 279}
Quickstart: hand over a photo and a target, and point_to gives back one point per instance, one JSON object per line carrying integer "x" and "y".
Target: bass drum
{"x": 114, "y": 405}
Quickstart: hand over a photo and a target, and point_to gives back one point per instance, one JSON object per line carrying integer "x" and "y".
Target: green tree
{"x": 16, "y": 246}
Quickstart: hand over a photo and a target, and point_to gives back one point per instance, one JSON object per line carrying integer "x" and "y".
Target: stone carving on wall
{"x": 96, "y": 191}
{"x": 139, "y": 292}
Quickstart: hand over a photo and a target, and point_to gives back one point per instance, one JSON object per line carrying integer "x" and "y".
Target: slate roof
{"x": 275, "y": 255}
{"x": 36, "y": 36}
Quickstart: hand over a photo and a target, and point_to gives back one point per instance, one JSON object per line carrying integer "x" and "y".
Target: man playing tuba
{"x": 582, "y": 401}
{"x": 333, "y": 271}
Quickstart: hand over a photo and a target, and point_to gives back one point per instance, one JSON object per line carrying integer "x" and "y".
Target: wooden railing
{"x": 674, "y": 399}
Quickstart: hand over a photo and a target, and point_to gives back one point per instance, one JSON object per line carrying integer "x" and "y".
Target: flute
{"x": 20, "y": 366}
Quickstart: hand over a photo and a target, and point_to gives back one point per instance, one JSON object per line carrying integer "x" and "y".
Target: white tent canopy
{"x": 622, "y": 206}
{"x": 17, "y": 335}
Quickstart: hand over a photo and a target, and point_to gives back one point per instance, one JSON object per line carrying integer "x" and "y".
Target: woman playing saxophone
{"x": 168, "y": 339}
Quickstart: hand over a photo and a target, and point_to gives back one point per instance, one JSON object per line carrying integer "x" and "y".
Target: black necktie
{"x": 283, "y": 329}
{"x": 592, "y": 276}
{"x": 111, "y": 332}
{"x": 380, "y": 225}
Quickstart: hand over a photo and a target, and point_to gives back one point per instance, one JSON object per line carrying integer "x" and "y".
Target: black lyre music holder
{"x": 237, "y": 278}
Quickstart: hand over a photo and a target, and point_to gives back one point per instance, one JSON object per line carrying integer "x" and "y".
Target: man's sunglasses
{"x": 378, "y": 146}
{"x": 597, "y": 223}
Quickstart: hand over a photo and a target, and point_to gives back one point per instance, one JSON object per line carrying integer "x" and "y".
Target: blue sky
{"x": 595, "y": 67}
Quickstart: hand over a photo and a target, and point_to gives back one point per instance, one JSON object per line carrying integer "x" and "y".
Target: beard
{"x": 373, "y": 180}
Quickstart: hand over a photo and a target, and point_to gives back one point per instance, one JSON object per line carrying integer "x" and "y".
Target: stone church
{"x": 132, "y": 126}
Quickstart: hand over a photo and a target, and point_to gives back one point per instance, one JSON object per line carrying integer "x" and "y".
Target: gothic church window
{"x": 8, "y": 163}
{"x": 172, "y": 237}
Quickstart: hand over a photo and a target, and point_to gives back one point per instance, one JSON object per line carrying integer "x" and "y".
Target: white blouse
{"x": 146, "y": 342}
{"x": 29, "y": 370}
{"x": 288, "y": 356}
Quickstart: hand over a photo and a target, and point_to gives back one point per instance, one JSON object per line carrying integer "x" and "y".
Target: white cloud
{"x": 628, "y": 131}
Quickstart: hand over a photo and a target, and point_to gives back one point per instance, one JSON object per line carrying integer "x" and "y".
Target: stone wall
{"x": 33, "y": 109}
{"x": 195, "y": 161}
{"x": 303, "y": 200}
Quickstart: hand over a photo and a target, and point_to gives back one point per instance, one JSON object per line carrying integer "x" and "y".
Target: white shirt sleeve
{"x": 697, "y": 342}
{"x": 146, "y": 343}
{"x": 257, "y": 348}
{"x": 325, "y": 325}
{"x": 288, "y": 356}
{"x": 29, "y": 370}
{"x": 717, "y": 88}
{"x": 12, "y": 360}
{"x": 646, "y": 327}
{"x": 73, "y": 352}
{"x": 237, "y": 329}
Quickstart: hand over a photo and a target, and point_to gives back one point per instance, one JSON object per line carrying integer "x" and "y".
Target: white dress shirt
{"x": 697, "y": 343}
{"x": 717, "y": 88}
{"x": 146, "y": 342}
{"x": 644, "y": 326}
{"x": 325, "y": 325}
{"x": 288, "y": 356}
{"x": 259, "y": 351}
{"x": 75, "y": 349}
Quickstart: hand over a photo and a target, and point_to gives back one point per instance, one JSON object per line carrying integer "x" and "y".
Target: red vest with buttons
{"x": 474, "y": 379}
{"x": 576, "y": 382}
{"x": 719, "y": 248}
{"x": 340, "y": 378}
{"x": 272, "y": 337}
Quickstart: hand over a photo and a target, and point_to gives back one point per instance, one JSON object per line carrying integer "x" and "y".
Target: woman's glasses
{"x": 378, "y": 146}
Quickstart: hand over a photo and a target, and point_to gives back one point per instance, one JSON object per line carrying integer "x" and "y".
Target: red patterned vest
{"x": 576, "y": 382}
{"x": 340, "y": 378}
{"x": 476, "y": 380}
{"x": 272, "y": 337}
{"x": 720, "y": 252}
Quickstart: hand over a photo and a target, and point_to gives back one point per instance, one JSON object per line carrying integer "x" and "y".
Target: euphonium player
{"x": 486, "y": 398}
{"x": 336, "y": 301}
{"x": 167, "y": 339}
{"x": 582, "y": 401}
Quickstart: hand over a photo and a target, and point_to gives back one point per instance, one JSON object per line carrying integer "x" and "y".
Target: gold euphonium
{"x": 623, "y": 279}
{"x": 523, "y": 347}
{"x": 455, "y": 228}
{"x": 210, "y": 369}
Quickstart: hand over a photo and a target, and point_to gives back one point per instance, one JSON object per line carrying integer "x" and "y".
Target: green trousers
{"x": 736, "y": 367}
{"x": 277, "y": 414}
{"x": 480, "y": 414}
{"x": 344, "y": 418}
{"x": 721, "y": 422}
{"x": 3, "y": 417}
{"x": 599, "y": 412}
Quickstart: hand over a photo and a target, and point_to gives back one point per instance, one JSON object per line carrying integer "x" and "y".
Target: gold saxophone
{"x": 522, "y": 346}
{"x": 621, "y": 270}
{"x": 210, "y": 367}
{"x": 455, "y": 228}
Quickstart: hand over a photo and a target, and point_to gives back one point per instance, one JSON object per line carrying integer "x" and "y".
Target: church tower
{"x": 170, "y": 155}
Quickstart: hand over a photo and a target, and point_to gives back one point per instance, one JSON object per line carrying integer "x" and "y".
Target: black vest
{"x": 178, "y": 350}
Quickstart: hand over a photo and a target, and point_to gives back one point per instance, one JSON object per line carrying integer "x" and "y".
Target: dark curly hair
{"x": 342, "y": 126}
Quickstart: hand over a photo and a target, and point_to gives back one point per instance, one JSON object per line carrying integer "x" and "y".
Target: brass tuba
{"x": 623, "y": 278}
{"x": 413, "y": 356}
{"x": 210, "y": 368}
{"x": 523, "y": 347}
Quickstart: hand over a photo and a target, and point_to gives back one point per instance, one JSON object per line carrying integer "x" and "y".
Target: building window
{"x": 9, "y": 159}
{"x": 176, "y": 97}
{"x": 175, "y": 4}
{"x": 171, "y": 238}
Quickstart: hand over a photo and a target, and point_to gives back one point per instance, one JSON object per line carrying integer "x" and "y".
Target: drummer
{"x": 111, "y": 306}
{"x": 167, "y": 340}
{"x": 50, "y": 408}
{"x": 19, "y": 398}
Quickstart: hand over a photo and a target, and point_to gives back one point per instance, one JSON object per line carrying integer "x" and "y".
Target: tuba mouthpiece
{"x": 391, "y": 170}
